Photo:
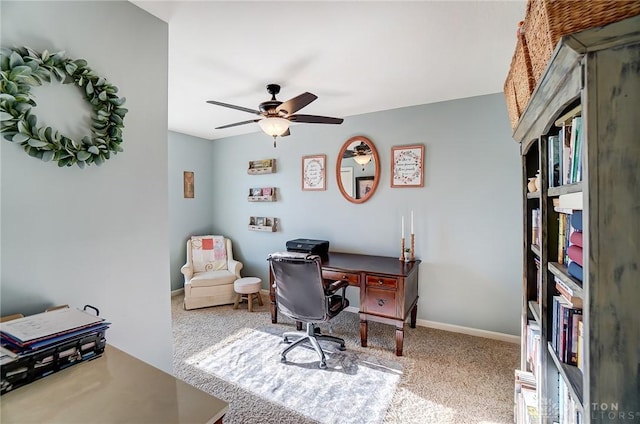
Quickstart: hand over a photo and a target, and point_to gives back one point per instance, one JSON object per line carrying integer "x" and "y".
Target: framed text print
{"x": 313, "y": 172}
{"x": 407, "y": 166}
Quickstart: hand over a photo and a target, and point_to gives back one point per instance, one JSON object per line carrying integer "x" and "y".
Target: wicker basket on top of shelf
{"x": 519, "y": 83}
{"x": 546, "y": 21}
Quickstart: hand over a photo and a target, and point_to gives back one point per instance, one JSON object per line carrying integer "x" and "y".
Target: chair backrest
{"x": 299, "y": 287}
{"x": 209, "y": 253}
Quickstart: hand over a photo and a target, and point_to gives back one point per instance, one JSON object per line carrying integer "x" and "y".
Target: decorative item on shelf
{"x": 263, "y": 166}
{"x": 23, "y": 68}
{"x": 314, "y": 172}
{"x": 407, "y": 254}
{"x": 537, "y": 181}
{"x": 262, "y": 194}
{"x": 531, "y": 185}
{"x": 262, "y": 223}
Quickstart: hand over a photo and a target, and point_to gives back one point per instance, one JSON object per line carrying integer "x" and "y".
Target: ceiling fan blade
{"x": 286, "y": 133}
{"x": 348, "y": 154}
{"x": 244, "y": 109}
{"x": 295, "y": 104}
{"x": 237, "y": 123}
{"x": 313, "y": 119}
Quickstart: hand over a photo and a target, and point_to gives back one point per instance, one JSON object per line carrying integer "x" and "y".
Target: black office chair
{"x": 302, "y": 295}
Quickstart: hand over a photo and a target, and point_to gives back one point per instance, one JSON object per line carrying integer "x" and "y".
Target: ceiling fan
{"x": 276, "y": 116}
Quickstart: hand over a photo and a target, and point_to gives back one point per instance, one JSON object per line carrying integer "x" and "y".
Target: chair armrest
{"x": 187, "y": 270}
{"x": 234, "y": 266}
{"x": 336, "y": 285}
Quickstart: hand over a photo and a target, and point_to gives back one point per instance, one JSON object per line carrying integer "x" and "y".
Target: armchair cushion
{"x": 208, "y": 253}
{"x": 213, "y": 278}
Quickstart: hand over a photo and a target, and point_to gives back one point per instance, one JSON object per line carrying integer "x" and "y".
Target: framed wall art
{"x": 188, "y": 182}
{"x": 363, "y": 186}
{"x": 407, "y": 166}
{"x": 313, "y": 172}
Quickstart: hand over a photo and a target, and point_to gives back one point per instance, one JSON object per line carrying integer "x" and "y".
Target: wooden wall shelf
{"x": 263, "y": 166}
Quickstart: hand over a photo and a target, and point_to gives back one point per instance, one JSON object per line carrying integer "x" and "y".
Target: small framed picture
{"x": 363, "y": 186}
{"x": 189, "y": 186}
{"x": 407, "y": 166}
{"x": 256, "y": 192}
{"x": 313, "y": 172}
{"x": 267, "y": 191}
{"x": 260, "y": 220}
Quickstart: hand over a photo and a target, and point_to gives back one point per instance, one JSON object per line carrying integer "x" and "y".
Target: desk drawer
{"x": 375, "y": 281}
{"x": 352, "y": 278}
{"x": 380, "y": 302}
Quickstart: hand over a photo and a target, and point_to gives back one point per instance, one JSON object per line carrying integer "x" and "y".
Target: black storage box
{"x": 316, "y": 247}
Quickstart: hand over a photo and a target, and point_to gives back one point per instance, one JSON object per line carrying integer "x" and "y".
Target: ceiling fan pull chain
{"x": 274, "y": 141}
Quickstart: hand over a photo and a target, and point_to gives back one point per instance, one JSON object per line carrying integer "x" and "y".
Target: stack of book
{"x": 574, "y": 248}
{"x": 35, "y": 346}
{"x": 567, "y": 313}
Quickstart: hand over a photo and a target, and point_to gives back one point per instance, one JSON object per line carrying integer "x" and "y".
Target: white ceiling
{"x": 356, "y": 56}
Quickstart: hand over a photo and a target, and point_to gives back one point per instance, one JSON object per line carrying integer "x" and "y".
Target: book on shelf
{"x": 580, "y": 359}
{"x": 565, "y": 137}
{"x": 571, "y": 201}
{"x": 576, "y": 161}
{"x": 576, "y": 220}
{"x": 562, "y": 229}
{"x": 575, "y": 254}
{"x": 565, "y": 330}
{"x": 555, "y": 161}
{"x": 568, "y": 293}
{"x": 535, "y": 226}
{"x": 576, "y": 238}
{"x": 533, "y": 347}
{"x": 575, "y": 270}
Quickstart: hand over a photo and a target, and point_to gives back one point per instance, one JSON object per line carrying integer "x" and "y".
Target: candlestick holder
{"x": 401, "y": 249}
{"x": 413, "y": 245}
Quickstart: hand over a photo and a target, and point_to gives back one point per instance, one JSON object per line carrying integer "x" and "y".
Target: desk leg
{"x": 414, "y": 314}
{"x": 363, "y": 332}
{"x": 399, "y": 337}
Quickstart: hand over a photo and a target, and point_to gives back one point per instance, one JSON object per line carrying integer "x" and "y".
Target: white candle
{"x": 402, "y": 227}
{"x": 411, "y": 222}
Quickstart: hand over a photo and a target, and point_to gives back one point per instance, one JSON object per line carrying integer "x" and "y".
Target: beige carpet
{"x": 444, "y": 378}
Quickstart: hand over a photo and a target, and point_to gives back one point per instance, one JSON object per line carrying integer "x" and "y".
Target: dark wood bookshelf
{"x": 593, "y": 74}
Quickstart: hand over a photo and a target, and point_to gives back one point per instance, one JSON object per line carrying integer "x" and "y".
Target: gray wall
{"x": 100, "y": 235}
{"x": 188, "y": 216}
{"x": 467, "y": 216}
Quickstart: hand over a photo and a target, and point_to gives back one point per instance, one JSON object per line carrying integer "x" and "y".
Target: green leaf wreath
{"x": 23, "y": 68}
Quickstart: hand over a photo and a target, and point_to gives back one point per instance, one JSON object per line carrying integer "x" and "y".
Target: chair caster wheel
{"x": 342, "y": 348}
{"x": 323, "y": 365}
{"x": 283, "y": 359}
{"x": 286, "y": 340}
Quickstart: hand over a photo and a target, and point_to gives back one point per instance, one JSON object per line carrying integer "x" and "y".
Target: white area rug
{"x": 355, "y": 387}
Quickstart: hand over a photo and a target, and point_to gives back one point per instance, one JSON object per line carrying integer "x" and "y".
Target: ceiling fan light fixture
{"x": 362, "y": 159}
{"x": 274, "y": 126}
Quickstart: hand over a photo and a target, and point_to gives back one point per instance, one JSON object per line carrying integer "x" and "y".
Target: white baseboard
{"x": 458, "y": 329}
{"x": 177, "y": 292}
{"x": 470, "y": 331}
{"x": 447, "y": 327}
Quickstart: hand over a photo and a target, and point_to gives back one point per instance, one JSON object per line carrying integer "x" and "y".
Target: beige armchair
{"x": 210, "y": 272}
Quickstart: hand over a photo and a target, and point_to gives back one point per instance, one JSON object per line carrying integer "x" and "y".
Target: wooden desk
{"x": 113, "y": 388}
{"x": 388, "y": 289}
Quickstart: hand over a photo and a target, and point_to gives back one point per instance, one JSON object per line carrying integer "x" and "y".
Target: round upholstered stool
{"x": 247, "y": 288}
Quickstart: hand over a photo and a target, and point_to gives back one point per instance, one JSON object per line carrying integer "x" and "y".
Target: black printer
{"x": 316, "y": 247}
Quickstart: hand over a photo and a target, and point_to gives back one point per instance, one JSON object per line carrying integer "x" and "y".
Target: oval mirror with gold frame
{"x": 358, "y": 169}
